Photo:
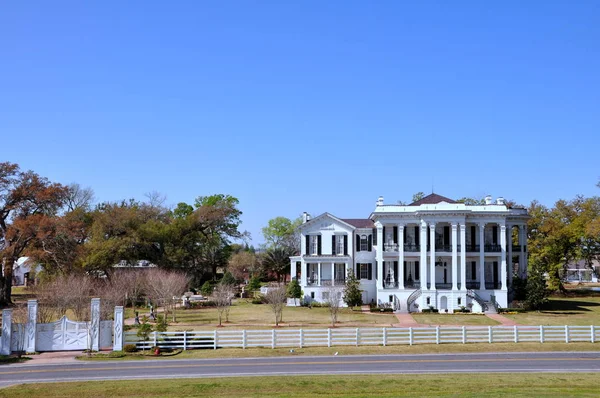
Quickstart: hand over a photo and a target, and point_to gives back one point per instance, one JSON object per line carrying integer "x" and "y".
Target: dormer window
{"x": 364, "y": 243}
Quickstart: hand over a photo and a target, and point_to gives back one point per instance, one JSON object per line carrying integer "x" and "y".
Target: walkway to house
{"x": 504, "y": 321}
{"x": 365, "y": 309}
{"x": 406, "y": 321}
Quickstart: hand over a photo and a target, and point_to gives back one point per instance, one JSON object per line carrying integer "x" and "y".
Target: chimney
{"x": 380, "y": 201}
{"x": 307, "y": 217}
{"x": 488, "y": 199}
{"x": 500, "y": 201}
{"x": 304, "y": 217}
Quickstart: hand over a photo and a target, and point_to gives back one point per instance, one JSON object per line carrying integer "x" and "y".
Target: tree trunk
{"x": 6, "y": 282}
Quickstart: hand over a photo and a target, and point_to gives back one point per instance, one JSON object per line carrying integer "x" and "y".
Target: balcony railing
{"x": 516, "y": 248}
{"x": 493, "y": 286}
{"x": 412, "y": 248}
{"x": 443, "y": 248}
{"x": 412, "y": 284}
{"x": 473, "y": 285}
{"x": 492, "y": 248}
{"x": 443, "y": 286}
{"x": 390, "y": 285}
{"x": 472, "y": 248}
{"x": 390, "y": 247}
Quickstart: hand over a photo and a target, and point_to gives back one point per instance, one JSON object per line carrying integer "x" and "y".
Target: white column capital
{"x": 432, "y": 225}
{"x": 454, "y": 226}
{"x": 463, "y": 227}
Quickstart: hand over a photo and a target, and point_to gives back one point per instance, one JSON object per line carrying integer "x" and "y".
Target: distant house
{"x": 22, "y": 272}
{"x": 581, "y": 272}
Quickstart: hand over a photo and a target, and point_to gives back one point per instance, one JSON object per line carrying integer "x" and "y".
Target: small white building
{"x": 22, "y": 271}
{"x": 434, "y": 253}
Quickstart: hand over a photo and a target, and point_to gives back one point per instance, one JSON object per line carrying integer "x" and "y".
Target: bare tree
{"x": 19, "y": 336}
{"x": 276, "y": 297}
{"x": 65, "y": 292}
{"x": 134, "y": 282}
{"x": 333, "y": 301}
{"x": 166, "y": 287}
{"x": 79, "y": 197}
{"x": 223, "y": 296}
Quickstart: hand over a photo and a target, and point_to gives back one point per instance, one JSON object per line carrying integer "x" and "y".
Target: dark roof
{"x": 432, "y": 199}
{"x": 359, "y": 222}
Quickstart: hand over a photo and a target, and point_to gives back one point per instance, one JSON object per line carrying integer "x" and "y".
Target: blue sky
{"x": 304, "y": 106}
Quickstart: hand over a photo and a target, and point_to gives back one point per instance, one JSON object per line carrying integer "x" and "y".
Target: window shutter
{"x": 446, "y": 235}
{"x": 418, "y": 271}
{"x": 345, "y": 245}
{"x": 383, "y": 243}
{"x": 375, "y": 236}
{"x": 473, "y": 235}
{"x": 319, "y": 244}
{"x": 473, "y": 270}
{"x": 333, "y": 245}
{"x": 307, "y": 244}
{"x": 396, "y": 235}
{"x": 495, "y": 234}
{"x": 417, "y": 236}
{"x": 404, "y": 268}
{"x": 396, "y": 270}
{"x": 370, "y": 272}
{"x": 358, "y": 271}
{"x": 357, "y": 243}
{"x": 370, "y": 243}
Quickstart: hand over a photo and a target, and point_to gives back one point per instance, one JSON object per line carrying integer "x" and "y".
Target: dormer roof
{"x": 432, "y": 199}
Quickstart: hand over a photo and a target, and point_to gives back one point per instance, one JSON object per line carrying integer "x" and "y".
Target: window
{"x": 312, "y": 295}
{"x": 325, "y": 296}
{"x": 473, "y": 270}
{"x": 459, "y": 301}
{"x": 391, "y": 298}
{"x": 365, "y": 271}
{"x": 364, "y": 243}
{"x": 314, "y": 244}
{"x": 313, "y": 274}
{"x": 428, "y": 301}
{"x": 339, "y": 243}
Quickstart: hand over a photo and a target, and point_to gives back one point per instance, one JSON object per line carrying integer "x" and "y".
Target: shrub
{"x": 206, "y": 289}
{"x": 258, "y": 299}
{"x": 129, "y": 348}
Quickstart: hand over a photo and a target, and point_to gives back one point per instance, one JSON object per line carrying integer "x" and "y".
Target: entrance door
{"x": 495, "y": 274}
{"x": 365, "y": 296}
{"x": 443, "y": 303}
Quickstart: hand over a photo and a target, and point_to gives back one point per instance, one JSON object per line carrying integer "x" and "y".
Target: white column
{"x": 481, "y": 257}
{"x": 292, "y": 269}
{"x": 432, "y": 255}
{"x": 423, "y": 260}
{"x": 118, "y": 325}
{"x": 30, "y": 327}
{"x": 319, "y": 274}
{"x": 95, "y": 325}
{"x": 525, "y": 251}
{"x": 380, "y": 276}
{"x": 332, "y": 274}
{"x": 303, "y": 274}
{"x": 463, "y": 256}
{"x": 400, "y": 275}
{"x": 503, "y": 278}
{"x": 454, "y": 256}
{"x": 521, "y": 251}
{"x": 5, "y": 342}
{"x": 509, "y": 241}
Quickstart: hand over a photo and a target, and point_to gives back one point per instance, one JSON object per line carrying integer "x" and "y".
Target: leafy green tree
{"x": 352, "y": 293}
{"x": 277, "y": 261}
{"x": 537, "y": 293}
{"x": 206, "y": 289}
{"x": 228, "y": 279}
{"x": 471, "y": 201}
{"x": 282, "y": 232}
{"x": 254, "y": 283}
{"x": 294, "y": 290}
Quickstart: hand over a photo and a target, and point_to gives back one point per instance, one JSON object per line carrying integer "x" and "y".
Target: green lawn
{"x": 244, "y": 315}
{"x": 453, "y": 319}
{"x": 463, "y": 385}
{"x": 580, "y": 311}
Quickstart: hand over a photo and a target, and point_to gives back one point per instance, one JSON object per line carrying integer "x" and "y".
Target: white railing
{"x": 275, "y": 338}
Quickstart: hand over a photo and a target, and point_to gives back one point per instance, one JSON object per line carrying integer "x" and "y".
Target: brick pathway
{"x": 504, "y": 321}
{"x": 406, "y": 320}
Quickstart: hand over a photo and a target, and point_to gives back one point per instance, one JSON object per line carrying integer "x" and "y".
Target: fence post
{"x": 516, "y": 333}
{"x": 155, "y": 340}
{"x": 593, "y": 334}
{"x": 357, "y": 336}
{"x": 301, "y": 338}
{"x": 464, "y": 335}
{"x": 410, "y": 335}
{"x": 273, "y": 338}
{"x": 490, "y": 335}
{"x": 384, "y": 337}
{"x": 328, "y": 337}
{"x": 244, "y": 339}
{"x": 437, "y": 335}
{"x": 118, "y": 326}
{"x": 566, "y": 333}
{"x": 541, "y": 333}
{"x": 5, "y": 348}
{"x": 215, "y": 337}
{"x": 184, "y": 340}
{"x": 95, "y": 324}
{"x": 30, "y": 328}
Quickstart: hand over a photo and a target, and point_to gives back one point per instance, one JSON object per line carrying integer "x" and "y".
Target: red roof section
{"x": 359, "y": 222}
{"x": 432, "y": 199}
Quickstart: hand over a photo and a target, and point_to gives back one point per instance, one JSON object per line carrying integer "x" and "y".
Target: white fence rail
{"x": 277, "y": 338}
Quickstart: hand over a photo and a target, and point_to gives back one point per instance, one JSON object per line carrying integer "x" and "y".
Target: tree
{"x": 471, "y": 201}
{"x": 352, "y": 293}
{"x": 79, "y": 198}
{"x": 277, "y": 261}
{"x": 276, "y": 298}
{"x": 254, "y": 283}
{"x": 333, "y": 301}
{"x": 418, "y": 196}
{"x": 206, "y": 289}
{"x": 537, "y": 293}
{"x": 26, "y": 200}
{"x": 222, "y": 296}
{"x": 294, "y": 290}
{"x": 228, "y": 279}
{"x": 166, "y": 287}
{"x": 242, "y": 264}
{"x": 282, "y": 232}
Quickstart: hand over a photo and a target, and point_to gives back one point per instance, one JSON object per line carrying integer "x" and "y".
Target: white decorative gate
{"x": 62, "y": 335}
{"x": 106, "y": 331}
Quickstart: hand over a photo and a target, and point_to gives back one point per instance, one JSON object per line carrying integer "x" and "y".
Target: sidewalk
{"x": 406, "y": 321}
{"x": 504, "y": 321}
{"x": 57, "y": 357}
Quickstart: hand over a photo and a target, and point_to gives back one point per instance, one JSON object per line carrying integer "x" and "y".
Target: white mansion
{"x": 433, "y": 253}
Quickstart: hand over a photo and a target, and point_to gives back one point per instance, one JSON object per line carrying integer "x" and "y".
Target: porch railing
{"x": 492, "y": 248}
{"x": 390, "y": 285}
{"x": 443, "y": 286}
{"x": 492, "y": 285}
{"x": 472, "y": 285}
{"x": 472, "y": 248}
{"x": 412, "y": 248}
{"x": 390, "y": 247}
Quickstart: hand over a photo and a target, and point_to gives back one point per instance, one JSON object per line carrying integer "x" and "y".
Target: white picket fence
{"x": 276, "y": 338}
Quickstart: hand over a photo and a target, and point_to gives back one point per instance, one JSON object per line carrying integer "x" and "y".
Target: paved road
{"x": 367, "y": 364}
